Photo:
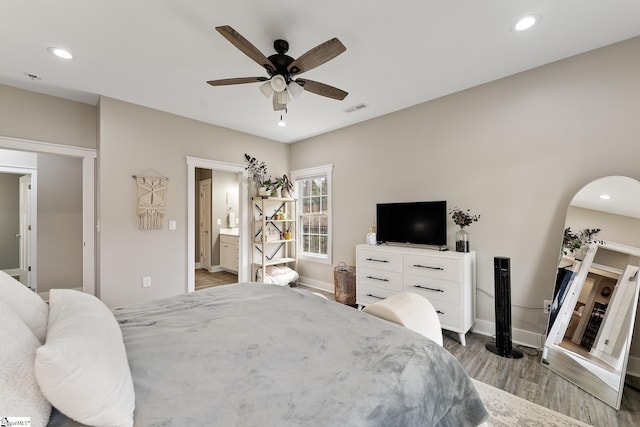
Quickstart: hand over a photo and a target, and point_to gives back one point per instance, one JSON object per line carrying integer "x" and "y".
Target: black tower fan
{"x": 502, "y": 345}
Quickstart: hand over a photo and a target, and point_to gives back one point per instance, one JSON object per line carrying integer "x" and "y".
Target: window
{"x": 313, "y": 191}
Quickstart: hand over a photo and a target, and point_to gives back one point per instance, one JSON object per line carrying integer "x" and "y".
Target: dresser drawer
{"x": 391, "y": 280}
{"x": 391, "y": 261}
{"x": 433, "y": 289}
{"x": 431, "y": 266}
{"x": 450, "y": 316}
{"x": 368, "y": 294}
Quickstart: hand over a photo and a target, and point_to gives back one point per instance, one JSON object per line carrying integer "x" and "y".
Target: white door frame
{"x": 88, "y": 157}
{"x": 243, "y": 241}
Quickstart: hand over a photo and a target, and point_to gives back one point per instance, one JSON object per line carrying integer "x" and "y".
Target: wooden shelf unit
{"x": 270, "y": 245}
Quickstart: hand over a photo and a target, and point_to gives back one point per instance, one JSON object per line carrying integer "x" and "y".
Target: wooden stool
{"x": 410, "y": 310}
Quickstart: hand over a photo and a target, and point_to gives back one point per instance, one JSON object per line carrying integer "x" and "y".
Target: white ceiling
{"x": 160, "y": 53}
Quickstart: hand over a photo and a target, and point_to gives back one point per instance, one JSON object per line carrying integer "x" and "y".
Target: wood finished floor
{"x": 529, "y": 379}
{"x": 204, "y": 279}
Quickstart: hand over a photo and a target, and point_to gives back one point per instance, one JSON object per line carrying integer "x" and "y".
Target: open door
{"x": 20, "y": 235}
{"x": 24, "y": 268}
{"x": 205, "y": 224}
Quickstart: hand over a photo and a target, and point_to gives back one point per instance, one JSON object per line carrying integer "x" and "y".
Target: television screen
{"x": 422, "y": 223}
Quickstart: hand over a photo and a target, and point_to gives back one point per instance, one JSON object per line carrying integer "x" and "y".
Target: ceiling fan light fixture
{"x": 266, "y": 89}
{"x": 278, "y": 83}
{"x": 295, "y": 90}
{"x": 282, "y": 123}
{"x": 281, "y": 97}
{"x": 278, "y": 106}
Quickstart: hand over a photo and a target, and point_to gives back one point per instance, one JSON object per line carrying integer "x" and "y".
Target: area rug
{"x": 508, "y": 410}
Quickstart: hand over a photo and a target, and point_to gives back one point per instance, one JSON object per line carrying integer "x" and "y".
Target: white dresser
{"x": 447, "y": 279}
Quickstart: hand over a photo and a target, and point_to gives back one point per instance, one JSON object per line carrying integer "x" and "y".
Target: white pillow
{"x": 26, "y": 304}
{"x": 20, "y": 395}
{"x": 82, "y": 369}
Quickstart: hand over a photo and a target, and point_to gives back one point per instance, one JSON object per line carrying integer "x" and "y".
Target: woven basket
{"x": 344, "y": 282}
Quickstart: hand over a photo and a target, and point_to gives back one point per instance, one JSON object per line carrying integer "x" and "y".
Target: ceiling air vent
{"x": 356, "y": 108}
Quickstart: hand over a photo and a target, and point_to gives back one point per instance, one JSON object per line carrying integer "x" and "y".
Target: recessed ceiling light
{"x": 605, "y": 196}
{"x": 60, "y": 53}
{"x": 526, "y": 22}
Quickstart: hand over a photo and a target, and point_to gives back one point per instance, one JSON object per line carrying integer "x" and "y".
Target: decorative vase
{"x": 263, "y": 191}
{"x": 286, "y": 194}
{"x": 462, "y": 240}
{"x": 277, "y": 192}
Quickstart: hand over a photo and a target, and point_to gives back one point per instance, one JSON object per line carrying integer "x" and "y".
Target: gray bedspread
{"x": 264, "y": 355}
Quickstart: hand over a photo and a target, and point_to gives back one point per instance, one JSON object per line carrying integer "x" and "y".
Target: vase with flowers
{"x": 462, "y": 219}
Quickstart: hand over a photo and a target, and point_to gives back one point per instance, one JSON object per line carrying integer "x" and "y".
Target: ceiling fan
{"x": 282, "y": 83}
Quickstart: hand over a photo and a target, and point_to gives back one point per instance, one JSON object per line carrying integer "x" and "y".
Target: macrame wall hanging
{"x": 152, "y": 201}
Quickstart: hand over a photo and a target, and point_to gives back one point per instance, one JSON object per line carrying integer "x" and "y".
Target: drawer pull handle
{"x": 439, "y": 312}
{"x": 377, "y": 260}
{"x": 427, "y": 266}
{"x": 377, "y": 278}
{"x": 429, "y": 289}
{"x": 374, "y": 296}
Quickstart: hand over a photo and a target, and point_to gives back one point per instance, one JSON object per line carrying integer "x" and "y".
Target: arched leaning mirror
{"x": 595, "y": 299}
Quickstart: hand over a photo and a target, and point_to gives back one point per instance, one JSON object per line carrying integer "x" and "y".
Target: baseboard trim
{"x": 316, "y": 284}
{"x": 518, "y": 336}
{"x": 215, "y": 269}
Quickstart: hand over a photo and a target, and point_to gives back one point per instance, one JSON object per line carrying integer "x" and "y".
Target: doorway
{"x": 87, "y": 242}
{"x": 217, "y": 231}
{"x": 231, "y": 185}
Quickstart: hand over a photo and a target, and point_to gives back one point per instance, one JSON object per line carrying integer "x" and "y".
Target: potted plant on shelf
{"x": 257, "y": 173}
{"x": 463, "y": 219}
{"x": 274, "y": 187}
{"x": 578, "y": 243}
{"x": 287, "y": 187}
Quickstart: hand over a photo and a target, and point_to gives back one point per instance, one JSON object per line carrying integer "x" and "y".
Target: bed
{"x": 263, "y": 355}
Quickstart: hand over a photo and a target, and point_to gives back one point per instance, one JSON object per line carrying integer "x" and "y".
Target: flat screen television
{"x": 420, "y": 223}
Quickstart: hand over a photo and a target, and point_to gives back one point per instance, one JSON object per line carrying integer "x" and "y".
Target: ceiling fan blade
{"x": 246, "y": 47}
{"x": 317, "y": 56}
{"x": 322, "y": 89}
{"x": 237, "y": 81}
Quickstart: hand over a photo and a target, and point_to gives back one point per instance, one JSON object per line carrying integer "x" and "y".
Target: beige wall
{"x": 515, "y": 151}
{"x": 33, "y": 116}
{"x": 132, "y": 140}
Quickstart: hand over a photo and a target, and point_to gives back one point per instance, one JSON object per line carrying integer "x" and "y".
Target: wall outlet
{"x": 546, "y": 306}
{"x": 146, "y": 282}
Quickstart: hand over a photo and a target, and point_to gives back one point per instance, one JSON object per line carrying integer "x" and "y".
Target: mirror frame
{"x": 605, "y": 384}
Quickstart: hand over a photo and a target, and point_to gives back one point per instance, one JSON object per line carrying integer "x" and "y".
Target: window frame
{"x": 301, "y": 175}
